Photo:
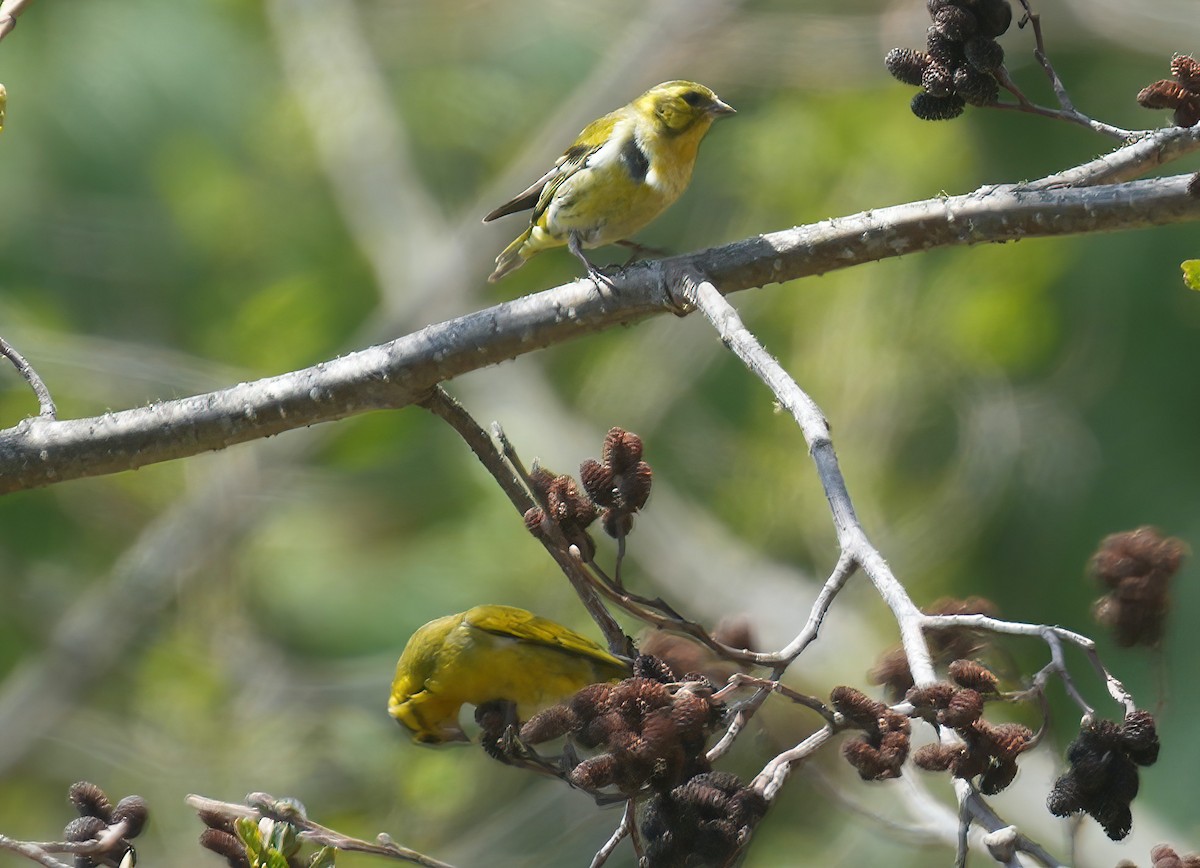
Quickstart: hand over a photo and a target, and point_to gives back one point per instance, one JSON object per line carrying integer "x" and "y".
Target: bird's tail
{"x": 510, "y": 259}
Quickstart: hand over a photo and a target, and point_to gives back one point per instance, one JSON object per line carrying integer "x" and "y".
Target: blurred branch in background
{"x": 10, "y": 10}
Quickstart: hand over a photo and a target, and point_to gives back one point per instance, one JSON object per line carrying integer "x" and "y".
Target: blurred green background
{"x": 198, "y": 194}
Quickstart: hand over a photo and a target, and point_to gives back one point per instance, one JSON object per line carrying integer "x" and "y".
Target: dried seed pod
{"x": 650, "y": 666}
{"x": 984, "y": 54}
{"x": 893, "y": 721}
{"x": 1188, "y": 114}
{"x": 540, "y": 479}
{"x": 616, "y": 523}
{"x": 634, "y": 486}
{"x": 994, "y": 16}
{"x": 622, "y": 450}
{"x": 90, "y": 801}
{"x": 225, "y": 844}
{"x": 591, "y": 700}
{"x": 215, "y": 820}
{"x": 867, "y": 760}
{"x": 1163, "y": 94}
{"x": 634, "y": 697}
{"x": 1187, "y": 71}
{"x": 938, "y": 80}
{"x": 567, "y": 506}
{"x": 998, "y": 777}
{"x": 602, "y": 729}
{"x": 1139, "y": 552}
{"x": 1006, "y": 740}
{"x": 134, "y": 813}
{"x": 968, "y": 673}
{"x": 906, "y": 65}
{"x": 1137, "y": 567}
{"x": 84, "y": 828}
{"x": 970, "y": 763}
{"x": 936, "y": 757}
{"x": 549, "y": 724}
{"x": 943, "y": 52}
{"x": 893, "y": 749}
{"x": 597, "y": 481}
{"x": 932, "y": 696}
{"x": 955, "y": 22}
{"x": 595, "y": 773}
{"x": 693, "y": 714}
{"x": 977, "y": 88}
{"x": 932, "y": 108}
{"x": 964, "y": 708}
{"x": 1139, "y": 737}
{"x": 891, "y": 671}
{"x": 860, "y": 709}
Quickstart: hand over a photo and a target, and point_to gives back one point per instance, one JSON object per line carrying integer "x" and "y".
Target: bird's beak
{"x": 720, "y": 109}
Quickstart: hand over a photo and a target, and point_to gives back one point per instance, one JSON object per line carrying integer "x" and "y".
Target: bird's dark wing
{"x": 590, "y": 140}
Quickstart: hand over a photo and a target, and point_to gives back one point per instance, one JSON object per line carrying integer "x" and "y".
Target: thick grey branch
{"x": 41, "y": 451}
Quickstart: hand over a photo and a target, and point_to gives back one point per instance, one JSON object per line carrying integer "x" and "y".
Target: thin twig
{"x": 1054, "y": 637}
{"x": 741, "y": 679}
{"x": 775, "y": 773}
{"x": 851, "y": 537}
{"x": 963, "y": 842}
{"x": 507, "y": 470}
{"x": 39, "y": 851}
{"x": 32, "y": 851}
{"x": 10, "y": 10}
{"x": 263, "y": 806}
{"x": 842, "y": 572}
{"x": 1067, "y": 111}
{"x": 623, "y": 830}
{"x": 1125, "y": 164}
{"x": 46, "y": 408}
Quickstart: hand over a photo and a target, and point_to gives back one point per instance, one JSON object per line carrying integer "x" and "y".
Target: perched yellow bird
{"x": 624, "y": 170}
{"x": 486, "y": 653}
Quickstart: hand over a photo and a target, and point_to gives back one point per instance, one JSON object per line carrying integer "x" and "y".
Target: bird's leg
{"x": 576, "y": 247}
{"x": 496, "y": 718}
{"x": 639, "y": 251}
{"x": 501, "y": 739}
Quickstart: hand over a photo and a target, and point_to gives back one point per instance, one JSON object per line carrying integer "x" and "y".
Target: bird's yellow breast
{"x": 634, "y": 177}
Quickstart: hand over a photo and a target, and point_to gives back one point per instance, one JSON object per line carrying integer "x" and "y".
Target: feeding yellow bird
{"x": 489, "y": 653}
{"x": 624, "y": 170}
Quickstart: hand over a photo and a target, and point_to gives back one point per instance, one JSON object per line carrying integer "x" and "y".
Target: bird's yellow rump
{"x": 624, "y": 170}
{"x": 487, "y": 653}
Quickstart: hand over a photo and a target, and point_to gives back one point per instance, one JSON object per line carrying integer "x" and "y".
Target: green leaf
{"x": 247, "y": 830}
{"x": 323, "y": 858}
{"x": 1191, "y": 273}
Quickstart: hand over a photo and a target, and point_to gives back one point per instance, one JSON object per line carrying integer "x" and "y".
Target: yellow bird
{"x": 624, "y": 170}
{"x": 487, "y": 653}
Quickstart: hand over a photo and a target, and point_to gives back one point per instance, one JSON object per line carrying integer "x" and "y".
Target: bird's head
{"x": 682, "y": 105}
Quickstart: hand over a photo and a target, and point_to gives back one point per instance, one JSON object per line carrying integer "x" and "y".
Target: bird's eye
{"x": 693, "y": 98}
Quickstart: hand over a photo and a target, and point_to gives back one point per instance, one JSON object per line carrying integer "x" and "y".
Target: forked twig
{"x": 46, "y": 408}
